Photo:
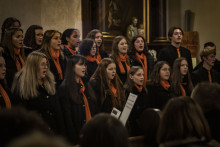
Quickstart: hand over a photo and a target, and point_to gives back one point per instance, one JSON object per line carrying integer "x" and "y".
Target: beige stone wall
{"x": 206, "y": 18}
{"x": 51, "y": 14}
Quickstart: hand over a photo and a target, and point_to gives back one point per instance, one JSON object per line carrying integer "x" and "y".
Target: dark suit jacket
{"x": 169, "y": 54}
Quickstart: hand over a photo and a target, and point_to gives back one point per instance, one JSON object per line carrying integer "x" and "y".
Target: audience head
{"x": 104, "y": 130}
{"x": 207, "y": 95}
{"x": 87, "y": 47}
{"x": 18, "y": 122}
{"x": 173, "y": 34}
{"x": 119, "y": 46}
{"x": 9, "y": 23}
{"x": 182, "y": 118}
{"x": 38, "y": 139}
{"x": 160, "y": 72}
{"x": 71, "y": 37}
{"x": 97, "y": 36}
{"x": 51, "y": 40}
{"x": 149, "y": 123}
{"x": 138, "y": 44}
{"x": 33, "y": 37}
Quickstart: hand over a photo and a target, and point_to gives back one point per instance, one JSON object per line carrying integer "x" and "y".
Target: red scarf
{"x": 17, "y": 53}
{"x": 5, "y": 97}
{"x": 92, "y": 59}
{"x": 98, "y": 55}
{"x": 114, "y": 90}
{"x": 121, "y": 59}
{"x": 144, "y": 65}
{"x": 139, "y": 88}
{"x": 182, "y": 90}
{"x": 55, "y": 56}
{"x": 210, "y": 77}
{"x": 165, "y": 84}
{"x": 71, "y": 50}
{"x": 87, "y": 109}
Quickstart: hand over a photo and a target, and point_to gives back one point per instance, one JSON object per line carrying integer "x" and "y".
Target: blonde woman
{"x": 34, "y": 89}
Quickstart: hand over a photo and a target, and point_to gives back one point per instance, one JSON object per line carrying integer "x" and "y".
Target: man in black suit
{"x": 211, "y": 46}
{"x": 174, "y": 51}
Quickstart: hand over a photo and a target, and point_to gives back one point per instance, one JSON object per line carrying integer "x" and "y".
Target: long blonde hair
{"x": 28, "y": 77}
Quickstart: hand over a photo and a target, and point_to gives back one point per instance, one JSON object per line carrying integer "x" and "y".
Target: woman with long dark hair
{"x": 181, "y": 83}
{"x": 107, "y": 87}
{"x": 119, "y": 55}
{"x": 159, "y": 85}
{"x": 51, "y": 47}
{"x": 140, "y": 57}
{"x": 75, "y": 99}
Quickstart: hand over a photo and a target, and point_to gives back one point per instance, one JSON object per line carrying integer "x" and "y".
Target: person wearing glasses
{"x": 159, "y": 90}
{"x": 175, "y": 50}
{"x": 34, "y": 89}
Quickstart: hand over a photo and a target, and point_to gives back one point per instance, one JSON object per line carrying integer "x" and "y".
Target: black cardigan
{"x": 74, "y": 113}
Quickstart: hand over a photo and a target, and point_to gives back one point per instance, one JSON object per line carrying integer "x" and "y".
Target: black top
{"x": 67, "y": 53}
{"x": 215, "y": 67}
{"x": 140, "y": 105}
{"x": 46, "y": 105}
{"x": 201, "y": 74}
{"x": 169, "y": 54}
{"x": 7, "y": 90}
{"x": 74, "y": 113}
{"x": 91, "y": 67}
{"x": 122, "y": 77}
{"x": 158, "y": 95}
{"x": 150, "y": 63}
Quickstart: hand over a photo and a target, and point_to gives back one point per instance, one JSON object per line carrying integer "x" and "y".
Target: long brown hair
{"x": 115, "y": 50}
{"x": 45, "y": 48}
{"x": 129, "y": 84}
{"x": 155, "y": 74}
{"x": 101, "y": 74}
{"x": 177, "y": 78}
{"x": 182, "y": 117}
{"x": 7, "y": 42}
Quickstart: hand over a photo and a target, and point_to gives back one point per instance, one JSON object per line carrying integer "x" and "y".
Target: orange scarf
{"x": 178, "y": 52}
{"x": 210, "y": 77}
{"x": 121, "y": 59}
{"x": 92, "y": 59}
{"x": 5, "y": 97}
{"x": 182, "y": 90}
{"x": 87, "y": 109}
{"x": 139, "y": 88}
{"x": 98, "y": 55}
{"x": 114, "y": 90}
{"x": 71, "y": 50}
{"x": 55, "y": 56}
{"x": 144, "y": 65}
{"x": 165, "y": 84}
{"x": 17, "y": 53}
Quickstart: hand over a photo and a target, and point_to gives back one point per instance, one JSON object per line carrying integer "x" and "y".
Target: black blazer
{"x": 201, "y": 75}
{"x": 158, "y": 95}
{"x": 46, "y": 105}
{"x": 74, "y": 113}
{"x": 107, "y": 105}
{"x": 140, "y": 105}
{"x": 169, "y": 54}
{"x": 150, "y": 63}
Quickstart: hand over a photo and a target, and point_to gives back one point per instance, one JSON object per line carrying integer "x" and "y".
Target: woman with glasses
{"x": 159, "y": 86}
{"x": 87, "y": 48}
{"x": 34, "y": 89}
